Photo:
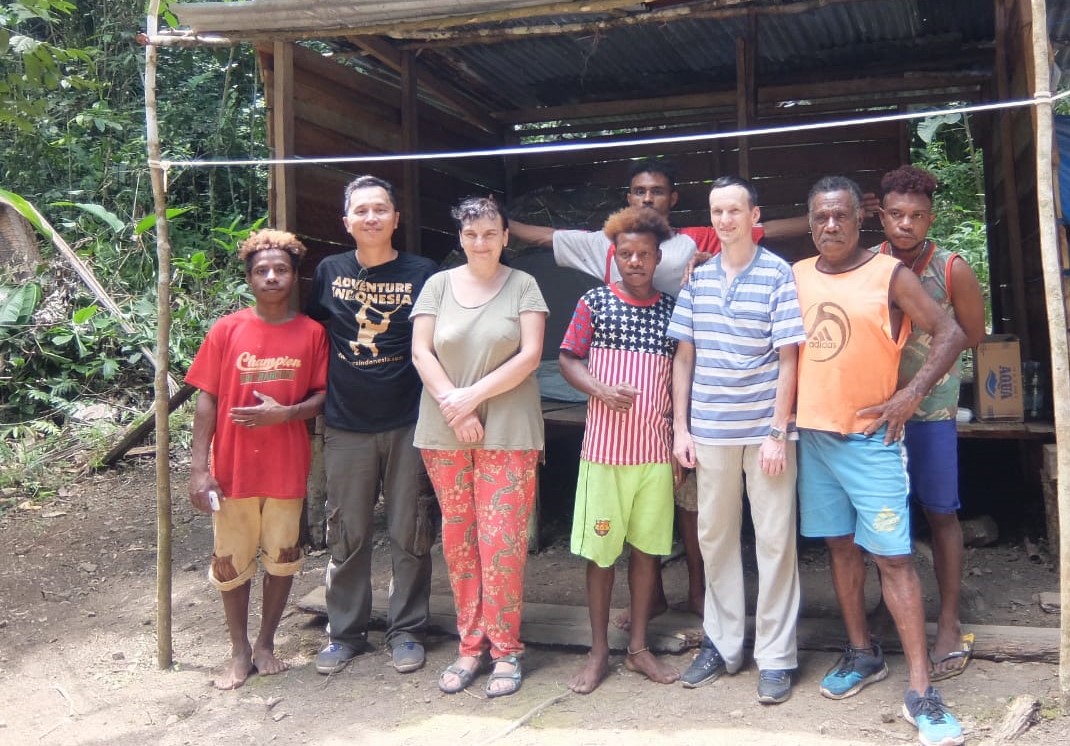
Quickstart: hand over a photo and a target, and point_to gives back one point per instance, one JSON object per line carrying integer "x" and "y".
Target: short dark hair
{"x": 909, "y": 180}
{"x": 662, "y": 166}
{"x": 477, "y": 208}
{"x": 270, "y": 239}
{"x": 637, "y": 220}
{"x": 729, "y": 181}
{"x": 835, "y": 184}
{"x": 364, "y": 182}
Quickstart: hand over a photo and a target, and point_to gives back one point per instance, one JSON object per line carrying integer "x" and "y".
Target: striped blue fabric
{"x": 736, "y": 330}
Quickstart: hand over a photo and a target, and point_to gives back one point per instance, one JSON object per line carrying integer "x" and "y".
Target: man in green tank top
{"x": 930, "y": 436}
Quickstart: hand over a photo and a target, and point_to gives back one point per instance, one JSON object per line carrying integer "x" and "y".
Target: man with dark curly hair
{"x": 617, "y": 352}
{"x": 261, "y": 372}
{"x": 931, "y": 437}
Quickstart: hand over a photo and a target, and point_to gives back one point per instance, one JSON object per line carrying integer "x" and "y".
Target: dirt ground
{"x": 78, "y": 653}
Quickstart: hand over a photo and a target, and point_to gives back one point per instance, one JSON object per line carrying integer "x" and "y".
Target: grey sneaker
{"x": 707, "y": 667}
{"x": 407, "y": 656}
{"x": 774, "y": 686}
{"x": 854, "y": 670}
{"x": 334, "y": 657}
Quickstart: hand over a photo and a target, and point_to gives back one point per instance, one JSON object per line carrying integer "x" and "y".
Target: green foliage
{"x": 945, "y": 146}
{"x": 34, "y": 60}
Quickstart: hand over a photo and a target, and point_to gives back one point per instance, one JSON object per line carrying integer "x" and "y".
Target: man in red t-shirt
{"x": 261, "y": 372}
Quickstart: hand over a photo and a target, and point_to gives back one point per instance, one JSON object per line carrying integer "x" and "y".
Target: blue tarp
{"x": 1062, "y": 138}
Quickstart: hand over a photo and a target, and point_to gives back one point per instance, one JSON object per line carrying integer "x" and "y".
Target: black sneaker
{"x": 707, "y": 667}
{"x": 774, "y": 686}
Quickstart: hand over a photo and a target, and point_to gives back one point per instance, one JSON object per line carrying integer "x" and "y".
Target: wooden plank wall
{"x": 339, "y": 112}
{"x": 1010, "y": 181}
{"x": 783, "y": 166}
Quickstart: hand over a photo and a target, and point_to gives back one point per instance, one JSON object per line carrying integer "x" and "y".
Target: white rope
{"x": 1038, "y": 98}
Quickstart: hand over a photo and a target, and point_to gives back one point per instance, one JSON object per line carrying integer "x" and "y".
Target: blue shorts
{"x": 853, "y": 484}
{"x": 933, "y": 464}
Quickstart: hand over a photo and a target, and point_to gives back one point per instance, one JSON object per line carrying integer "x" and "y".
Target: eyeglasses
{"x": 915, "y": 217}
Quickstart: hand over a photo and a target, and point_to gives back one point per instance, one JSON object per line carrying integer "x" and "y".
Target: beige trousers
{"x": 721, "y": 471}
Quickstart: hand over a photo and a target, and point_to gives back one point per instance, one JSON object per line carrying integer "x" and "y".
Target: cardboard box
{"x": 997, "y": 370}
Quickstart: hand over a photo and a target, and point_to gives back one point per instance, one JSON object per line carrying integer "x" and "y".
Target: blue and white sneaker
{"x": 854, "y": 670}
{"x": 936, "y": 725}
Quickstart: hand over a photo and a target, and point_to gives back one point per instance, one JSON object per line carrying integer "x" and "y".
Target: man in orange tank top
{"x": 858, "y": 308}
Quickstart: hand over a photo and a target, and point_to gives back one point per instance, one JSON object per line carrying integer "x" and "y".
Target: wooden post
{"x": 283, "y": 192}
{"x": 746, "y": 89}
{"x": 1009, "y": 194}
{"x": 164, "y": 650}
{"x": 410, "y": 137}
{"x": 1056, "y": 305}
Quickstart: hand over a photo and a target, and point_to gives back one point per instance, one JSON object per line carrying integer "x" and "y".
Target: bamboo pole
{"x": 1053, "y": 291}
{"x": 164, "y": 650}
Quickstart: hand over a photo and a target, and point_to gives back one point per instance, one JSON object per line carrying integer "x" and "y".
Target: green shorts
{"x": 617, "y": 504}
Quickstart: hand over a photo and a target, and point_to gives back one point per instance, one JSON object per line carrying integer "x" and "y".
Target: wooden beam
{"x": 746, "y": 90}
{"x": 1056, "y": 308}
{"x": 410, "y": 139}
{"x": 1009, "y": 195}
{"x": 141, "y": 427}
{"x": 676, "y": 631}
{"x": 446, "y": 92}
{"x": 862, "y": 91}
{"x": 284, "y": 197}
{"x": 437, "y": 34}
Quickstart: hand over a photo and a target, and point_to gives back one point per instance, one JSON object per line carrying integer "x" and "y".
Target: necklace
{"x": 923, "y": 254}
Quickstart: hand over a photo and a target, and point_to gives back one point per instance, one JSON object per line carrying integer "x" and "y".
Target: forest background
{"x": 72, "y": 144}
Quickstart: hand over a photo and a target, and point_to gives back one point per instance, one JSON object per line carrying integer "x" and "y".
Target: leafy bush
{"x": 945, "y": 146}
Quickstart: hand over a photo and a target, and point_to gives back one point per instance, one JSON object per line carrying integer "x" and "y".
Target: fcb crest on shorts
{"x": 601, "y": 526}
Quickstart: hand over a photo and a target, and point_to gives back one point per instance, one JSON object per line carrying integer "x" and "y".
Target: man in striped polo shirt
{"x": 738, "y": 327}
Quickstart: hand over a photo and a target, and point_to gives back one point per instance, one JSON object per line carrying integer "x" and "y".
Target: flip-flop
{"x": 961, "y": 658}
{"x": 515, "y": 676}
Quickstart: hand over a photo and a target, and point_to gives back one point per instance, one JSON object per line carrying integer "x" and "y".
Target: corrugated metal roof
{"x": 605, "y": 60}
{"x": 255, "y": 16}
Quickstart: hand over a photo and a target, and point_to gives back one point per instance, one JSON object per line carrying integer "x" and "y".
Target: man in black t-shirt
{"x": 373, "y": 393}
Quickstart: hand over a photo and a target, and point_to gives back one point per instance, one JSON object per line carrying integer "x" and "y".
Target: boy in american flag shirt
{"x": 617, "y": 352}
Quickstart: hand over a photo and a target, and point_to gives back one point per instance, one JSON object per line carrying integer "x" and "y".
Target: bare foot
{"x": 235, "y": 672}
{"x": 623, "y": 620}
{"x": 266, "y": 663}
{"x": 587, "y": 679}
{"x": 645, "y": 663}
{"x": 946, "y": 643}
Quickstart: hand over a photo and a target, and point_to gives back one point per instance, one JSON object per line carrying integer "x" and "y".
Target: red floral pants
{"x": 486, "y": 498}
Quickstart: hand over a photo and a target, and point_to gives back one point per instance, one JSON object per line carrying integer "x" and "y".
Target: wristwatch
{"x": 777, "y": 434}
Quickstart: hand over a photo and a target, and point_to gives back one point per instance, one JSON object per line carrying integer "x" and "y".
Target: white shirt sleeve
{"x": 582, "y": 250}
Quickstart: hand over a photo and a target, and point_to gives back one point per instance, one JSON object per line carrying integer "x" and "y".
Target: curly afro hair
{"x": 637, "y": 220}
{"x": 271, "y": 239}
{"x": 909, "y": 180}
